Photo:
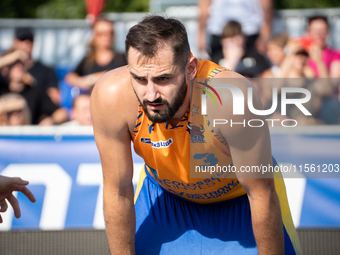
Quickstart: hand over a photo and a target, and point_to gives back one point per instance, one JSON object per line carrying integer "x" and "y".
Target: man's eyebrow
{"x": 158, "y": 76}
{"x": 135, "y": 75}
{"x": 164, "y": 75}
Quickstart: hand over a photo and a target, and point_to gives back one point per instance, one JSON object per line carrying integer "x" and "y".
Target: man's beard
{"x": 170, "y": 110}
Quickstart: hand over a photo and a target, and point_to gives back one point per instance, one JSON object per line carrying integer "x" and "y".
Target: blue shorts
{"x": 166, "y": 224}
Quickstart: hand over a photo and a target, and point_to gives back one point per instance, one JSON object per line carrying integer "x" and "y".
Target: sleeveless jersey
{"x": 178, "y": 158}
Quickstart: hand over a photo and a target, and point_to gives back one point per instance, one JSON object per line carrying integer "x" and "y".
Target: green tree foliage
{"x": 127, "y": 6}
{"x": 75, "y": 9}
{"x": 62, "y": 9}
{"x": 19, "y": 8}
{"x": 305, "y": 4}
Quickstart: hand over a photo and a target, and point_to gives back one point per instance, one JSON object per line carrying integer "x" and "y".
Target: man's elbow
{"x": 265, "y": 192}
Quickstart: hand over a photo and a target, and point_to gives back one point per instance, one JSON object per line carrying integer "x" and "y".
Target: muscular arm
{"x": 334, "y": 71}
{"x": 10, "y": 58}
{"x": 109, "y": 115}
{"x": 250, "y": 146}
{"x": 267, "y": 8}
{"x": 203, "y": 6}
{"x": 84, "y": 82}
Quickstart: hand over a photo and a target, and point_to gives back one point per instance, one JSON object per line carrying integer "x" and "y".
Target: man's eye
{"x": 163, "y": 78}
{"x": 139, "y": 78}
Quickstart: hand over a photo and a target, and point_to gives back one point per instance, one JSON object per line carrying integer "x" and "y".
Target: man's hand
{"x": 7, "y": 186}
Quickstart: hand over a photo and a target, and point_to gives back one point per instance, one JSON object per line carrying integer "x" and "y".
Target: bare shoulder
{"x": 113, "y": 102}
{"x": 232, "y": 77}
{"x": 233, "y": 90}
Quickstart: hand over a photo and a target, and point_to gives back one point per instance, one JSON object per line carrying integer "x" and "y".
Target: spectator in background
{"x": 100, "y": 59}
{"x": 255, "y": 17}
{"x": 43, "y": 110}
{"x": 80, "y": 114}
{"x": 14, "y": 110}
{"x": 248, "y": 62}
{"x": 293, "y": 64}
{"x": 324, "y": 61}
{"x": 41, "y": 76}
{"x": 276, "y": 54}
{"x": 288, "y": 58}
{"x": 10, "y": 59}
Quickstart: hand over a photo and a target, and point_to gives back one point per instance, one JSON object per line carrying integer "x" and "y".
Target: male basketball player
{"x": 148, "y": 102}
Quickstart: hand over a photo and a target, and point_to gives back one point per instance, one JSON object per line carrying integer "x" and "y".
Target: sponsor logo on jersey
{"x": 145, "y": 140}
{"x": 196, "y": 133}
{"x": 158, "y": 144}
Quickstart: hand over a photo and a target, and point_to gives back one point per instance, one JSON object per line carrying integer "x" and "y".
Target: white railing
{"x": 64, "y": 42}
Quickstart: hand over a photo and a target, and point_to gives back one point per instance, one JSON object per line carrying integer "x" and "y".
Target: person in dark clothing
{"x": 248, "y": 62}
{"x": 43, "y": 110}
{"x": 40, "y": 75}
{"x": 100, "y": 59}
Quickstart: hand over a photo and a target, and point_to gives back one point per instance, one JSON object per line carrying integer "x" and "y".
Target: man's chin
{"x": 157, "y": 117}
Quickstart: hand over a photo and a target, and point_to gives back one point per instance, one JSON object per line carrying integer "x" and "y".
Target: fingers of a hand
{"x": 3, "y": 205}
{"x": 25, "y": 191}
{"x": 28, "y": 194}
{"x": 15, "y": 204}
{"x": 9, "y": 184}
{"x": 19, "y": 181}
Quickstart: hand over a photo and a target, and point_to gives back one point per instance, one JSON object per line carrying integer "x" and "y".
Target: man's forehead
{"x": 164, "y": 51}
{"x": 161, "y": 61}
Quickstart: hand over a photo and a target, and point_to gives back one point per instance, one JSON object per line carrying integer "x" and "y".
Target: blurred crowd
{"x": 234, "y": 34}
{"x": 29, "y": 90}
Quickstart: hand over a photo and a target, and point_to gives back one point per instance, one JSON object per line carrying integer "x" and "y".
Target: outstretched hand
{"x": 7, "y": 186}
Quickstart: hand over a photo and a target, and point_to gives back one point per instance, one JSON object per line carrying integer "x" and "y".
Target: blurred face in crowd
{"x": 16, "y": 72}
{"x": 16, "y": 118}
{"x": 25, "y": 45}
{"x": 299, "y": 62}
{"x": 318, "y": 31}
{"x": 15, "y": 76}
{"x": 81, "y": 110}
{"x": 234, "y": 41}
{"x": 275, "y": 53}
{"x": 103, "y": 34}
{"x": 14, "y": 110}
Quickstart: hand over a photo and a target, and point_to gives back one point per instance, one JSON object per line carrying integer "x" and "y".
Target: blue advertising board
{"x": 64, "y": 171}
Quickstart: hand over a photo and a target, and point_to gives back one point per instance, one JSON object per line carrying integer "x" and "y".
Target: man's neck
{"x": 180, "y": 113}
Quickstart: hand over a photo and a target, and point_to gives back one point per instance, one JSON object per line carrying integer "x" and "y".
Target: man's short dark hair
{"x": 153, "y": 31}
{"x": 318, "y": 17}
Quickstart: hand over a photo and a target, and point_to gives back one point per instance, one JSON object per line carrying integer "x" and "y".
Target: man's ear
{"x": 192, "y": 67}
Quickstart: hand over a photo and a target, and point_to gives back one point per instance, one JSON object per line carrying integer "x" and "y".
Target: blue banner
{"x": 65, "y": 176}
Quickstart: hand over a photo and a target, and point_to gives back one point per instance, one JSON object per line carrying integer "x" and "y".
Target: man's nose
{"x": 152, "y": 92}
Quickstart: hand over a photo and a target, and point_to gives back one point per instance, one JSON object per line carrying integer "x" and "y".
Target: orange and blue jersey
{"x": 168, "y": 153}
{"x": 167, "y": 186}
